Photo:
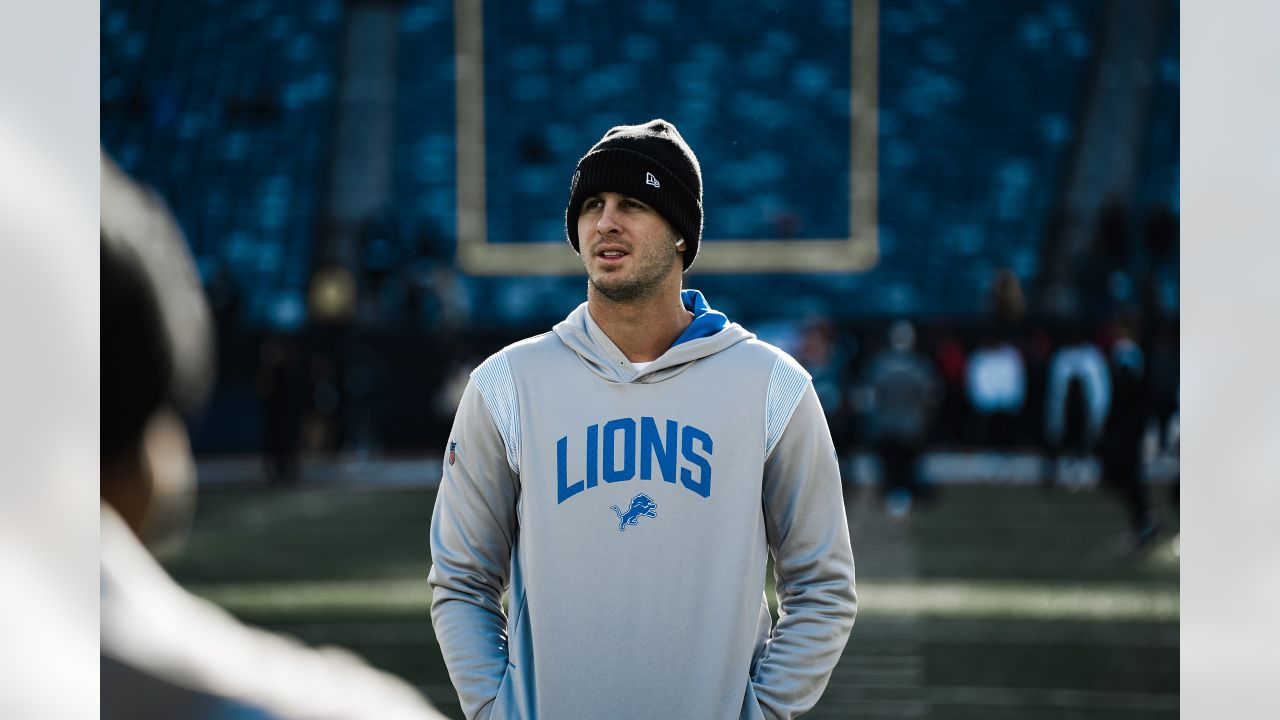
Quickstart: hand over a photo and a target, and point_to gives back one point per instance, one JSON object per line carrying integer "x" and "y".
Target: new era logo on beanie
{"x": 651, "y": 163}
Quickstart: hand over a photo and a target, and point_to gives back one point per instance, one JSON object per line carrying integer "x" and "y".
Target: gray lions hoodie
{"x": 631, "y": 514}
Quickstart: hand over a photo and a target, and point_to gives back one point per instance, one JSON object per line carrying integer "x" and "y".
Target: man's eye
{"x": 633, "y": 204}
{"x": 591, "y": 204}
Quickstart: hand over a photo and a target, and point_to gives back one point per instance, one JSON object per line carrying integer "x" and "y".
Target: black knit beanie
{"x": 651, "y": 163}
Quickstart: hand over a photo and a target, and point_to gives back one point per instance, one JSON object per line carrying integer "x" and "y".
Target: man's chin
{"x": 619, "y": 289}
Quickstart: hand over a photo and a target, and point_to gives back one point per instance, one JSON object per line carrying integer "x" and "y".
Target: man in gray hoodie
{"x": 627, "y": 475}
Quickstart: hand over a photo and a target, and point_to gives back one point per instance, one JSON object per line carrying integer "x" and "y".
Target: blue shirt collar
{"x": 706, "y": 322}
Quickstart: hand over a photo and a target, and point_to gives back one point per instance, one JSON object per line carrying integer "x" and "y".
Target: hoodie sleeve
{"x": 809, "y": 537}
{"x": 473, "y": 527}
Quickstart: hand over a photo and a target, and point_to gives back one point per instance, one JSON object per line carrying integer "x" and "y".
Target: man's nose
{"x": 607, "y": 223}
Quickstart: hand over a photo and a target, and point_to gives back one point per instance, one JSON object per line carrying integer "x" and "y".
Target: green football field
{"x": 996, "y": 602}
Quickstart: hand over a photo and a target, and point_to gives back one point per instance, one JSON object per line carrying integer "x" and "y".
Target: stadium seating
{"x": 228, "y": 107}
{"x": 225, "y": 107}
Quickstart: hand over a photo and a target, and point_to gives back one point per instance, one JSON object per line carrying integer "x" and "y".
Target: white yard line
{"x": 905, "y": 600}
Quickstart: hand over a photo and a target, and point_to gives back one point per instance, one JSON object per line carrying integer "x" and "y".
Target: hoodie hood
{"x": 709, "y": 333}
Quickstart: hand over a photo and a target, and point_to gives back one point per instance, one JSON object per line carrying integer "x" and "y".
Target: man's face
{"x": 629, "y": 249}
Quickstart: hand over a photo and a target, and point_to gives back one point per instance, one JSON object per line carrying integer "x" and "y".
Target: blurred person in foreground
{"x": 627, "y": 476}
{"x": 49, "y": 425}
{"x": 905, "y": 393}
{"x": 164, "y": 652}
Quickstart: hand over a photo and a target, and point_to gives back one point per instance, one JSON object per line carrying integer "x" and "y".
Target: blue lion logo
{"x": 640, "y": 505}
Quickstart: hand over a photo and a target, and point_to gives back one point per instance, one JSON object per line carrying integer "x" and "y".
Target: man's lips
{"x": 610, "y": 254}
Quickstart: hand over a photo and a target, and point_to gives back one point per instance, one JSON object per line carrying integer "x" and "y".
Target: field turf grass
{"x": 993, "y": 603}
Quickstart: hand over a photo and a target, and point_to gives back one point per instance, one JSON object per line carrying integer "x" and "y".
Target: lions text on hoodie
{"x": 631, "y": 513}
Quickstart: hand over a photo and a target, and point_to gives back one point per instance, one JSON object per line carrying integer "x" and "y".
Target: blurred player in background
{"x": 627, "y": 476}
{"x": 1076, "y": 405}
{"x": 906, "y": 393}
{"x": 165, "y": 653}
{"x": 1120, "y": 449}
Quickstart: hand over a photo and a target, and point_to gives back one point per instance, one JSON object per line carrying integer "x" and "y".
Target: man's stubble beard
{"x": 645, "y": 284}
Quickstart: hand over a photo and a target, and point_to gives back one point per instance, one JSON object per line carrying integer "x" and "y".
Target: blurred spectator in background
{"x": 1006, "y": 302}
{"x": 458, "y": 359}
{"x": 949, "y": 355}
{"x": 282, "y": 388}
{"x": 827, "y": 360}
{"x": 1076, "y": 403}
{"x": 1160, "y": 282}
{"x": 1121, "y": 446}
{"x": 1039, "y": 353}
{"x": 1163, "y": 394}
{"x": 1174, "y": 444}
{"x": 363, "y": 383}
{"x": 165, "y": 653}
{"x": 905, "y": 392}
{"x": 1108, "y": 276}
{"x": 379, "y": 257}
{"x": 996, "y": 382}
{"x": 225, "y": 298}
{"x": 322, "y": 428}
{"x": 1163, "y": 368}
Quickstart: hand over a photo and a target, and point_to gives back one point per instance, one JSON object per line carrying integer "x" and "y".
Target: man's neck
{"x": 643, "y": 329}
